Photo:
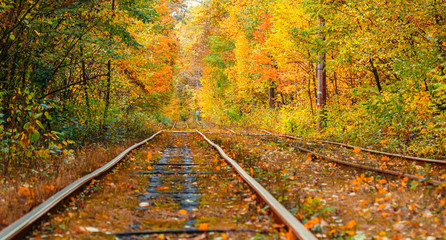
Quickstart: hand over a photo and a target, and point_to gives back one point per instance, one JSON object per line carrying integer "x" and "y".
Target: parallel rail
{"x": 18, "y": 227}
{"x": 356, "y": 165}
{"x": 362, "y": 149}
{"x": 284, "y": 215}
{"x": 369, "y": 168}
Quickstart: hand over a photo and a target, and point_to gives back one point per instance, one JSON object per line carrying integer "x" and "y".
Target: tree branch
{"x": 72, "y": 84}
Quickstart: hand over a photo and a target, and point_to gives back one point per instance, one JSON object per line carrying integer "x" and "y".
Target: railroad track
{"x": 392, "y": 164}
{"x": 360, "y": 148}
{"x": 341, "y": 185}
{"x": 176, "y": 190}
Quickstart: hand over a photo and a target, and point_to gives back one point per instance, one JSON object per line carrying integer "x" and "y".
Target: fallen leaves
{"x": 310, "y": 157}
{"x": 310, "y": 223}
{"x": 351, "y": 224}
{"x": 24, "y": 190}
{"x": 290, "y": 235}
{"x": 49, "y": 188}
{"x": 203, "y": 226}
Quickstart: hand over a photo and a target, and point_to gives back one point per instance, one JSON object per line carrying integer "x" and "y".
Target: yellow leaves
{"x": 149, "y": 157}
{"x": 385, "y": 158}
{"x": 382, "y": 181}
{"x": 364, "y": 202}
{"x": 356, "y": 149}
{"x": 182, "y": 211}
{"x": 311, "y": 157}
{"x": 351, "y": 224}
{"x": 310, "y": 223}
{"x": 24, "y": 190}
{"x": 290, "y": 235}
{"x": 380, "y": 189}
{"x": 413, "y": 207}
{"x": 351, "y": 233}
{"x": 49, "y": 188}
{"x": 161, "y": 236}
{"x": 203, "y": 226}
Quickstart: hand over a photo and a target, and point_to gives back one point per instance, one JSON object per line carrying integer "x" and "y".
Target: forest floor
{"x": 332, "y": 200}
{"x": 337, "y": 201}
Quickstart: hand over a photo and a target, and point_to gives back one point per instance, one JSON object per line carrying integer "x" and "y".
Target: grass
{"x": 20, "y": 192}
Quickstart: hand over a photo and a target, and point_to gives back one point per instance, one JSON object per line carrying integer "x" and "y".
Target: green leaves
{"x": 35, "y": 135}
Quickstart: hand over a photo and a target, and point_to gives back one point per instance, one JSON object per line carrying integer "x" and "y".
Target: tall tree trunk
{"x": 108, "y": 88}
{"x": 322, "y": 82}
{"x": 84, "y": 83}
{"x": 271, "y": 95}
{"x": 310, "y": 95}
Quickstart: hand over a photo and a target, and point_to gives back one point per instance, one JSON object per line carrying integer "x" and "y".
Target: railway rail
{"x": 361, "y": 165}
{"x": 180, "y": 159}
{"x": 362, "y": 149}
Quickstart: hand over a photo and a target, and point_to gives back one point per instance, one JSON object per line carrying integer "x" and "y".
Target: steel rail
{"x": 285, "y": 216}
{"x": 369, "y": 168}
{"x": 390, "y": 172}
{"x": 231, "y": 130}
{"x": 19, "y": 226}
{"x": 363, "y": 149}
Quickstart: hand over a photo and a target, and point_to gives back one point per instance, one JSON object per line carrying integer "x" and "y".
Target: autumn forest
{"x": 81, "y": 79}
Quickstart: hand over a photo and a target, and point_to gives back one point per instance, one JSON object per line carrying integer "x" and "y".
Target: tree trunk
{"x": 84, "y": 83}
{"x": 375, "y": 73}
{"x": 322, "y": 82}
{"x": 108, "y": 88}
{"x": 272, "y": 96}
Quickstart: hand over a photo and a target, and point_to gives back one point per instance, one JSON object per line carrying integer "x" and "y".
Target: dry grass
{"x": 21, "y": 193}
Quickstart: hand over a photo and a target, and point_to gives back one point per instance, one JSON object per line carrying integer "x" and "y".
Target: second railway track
{"x": 181, "y": 190}
{"x": 431, "y": 171}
